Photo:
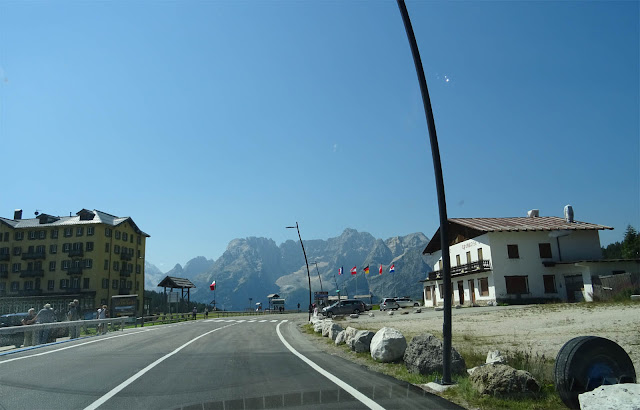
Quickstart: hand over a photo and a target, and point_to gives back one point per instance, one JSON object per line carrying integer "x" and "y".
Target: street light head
{"x": 290, "y": 227}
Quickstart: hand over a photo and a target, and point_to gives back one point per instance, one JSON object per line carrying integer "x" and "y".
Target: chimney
{"x": 534, "y": 213}
{"x": 568, "y": 213}
{"x": 17, "y": 214}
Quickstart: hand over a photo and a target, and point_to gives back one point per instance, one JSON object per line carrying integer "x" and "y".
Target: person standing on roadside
{"x": 195, "y": 312}
{"x": 45, "y": 315}
{"x": 102, "y": 314}
{"x": 72, "y": 315}
{"x": 28, "y": 334}
{"x": 206, "y": 313}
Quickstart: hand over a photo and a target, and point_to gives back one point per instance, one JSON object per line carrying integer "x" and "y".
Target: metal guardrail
{"x": 120, "y": 321}
{"x": 179, "y": 317}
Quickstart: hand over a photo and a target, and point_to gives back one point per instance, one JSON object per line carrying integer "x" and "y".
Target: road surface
{"x": 231, "y": 363}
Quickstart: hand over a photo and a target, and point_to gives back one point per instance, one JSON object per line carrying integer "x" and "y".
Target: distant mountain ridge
{"x": 254, "y": 267}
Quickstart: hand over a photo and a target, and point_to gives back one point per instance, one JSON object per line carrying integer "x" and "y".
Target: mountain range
{"x": 255, "y": 267}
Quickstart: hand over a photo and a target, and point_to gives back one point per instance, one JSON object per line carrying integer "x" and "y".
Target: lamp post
{"x": 319, "y": 276}
{"x": 306, "y": 262}
{"x": 442, "y": 203}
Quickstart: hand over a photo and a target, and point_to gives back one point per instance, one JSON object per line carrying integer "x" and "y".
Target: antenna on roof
{"x": 37, "y": 212}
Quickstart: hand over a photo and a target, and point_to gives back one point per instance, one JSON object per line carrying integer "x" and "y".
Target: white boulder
{"x": 388, "y": 345}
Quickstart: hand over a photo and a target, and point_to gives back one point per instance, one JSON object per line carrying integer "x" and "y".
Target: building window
{"x": 51, "y": 284}
{"x": 28, "y": 285}
{"x": 6, "y": 236}
{"x": 138, "y": 269}
{"x": 3, "y": 287}
{"x": 105, "y": 283}
{"x": 19, "y": 236}
{"x": 517, "y": 285}
{"x": 64, "y": 283}
{"x": 125, "y": 236}
{"x": 66, "y": 247}
{"x": 85, "y": 283}
{"x": 457, "y": 260}
{"x": 117, "y": 234}
{"x": 4, "y": 268}
{"x": 480, "y": 254}
{"x": 114, "y": 284}
{"x": 545, "y": 250}
{"x": 427, "y": 292}
{"x": 106, "y": 247}
{"x": 116, "y": 248}
{"x": 131, "y": 239}
{"x": 17, "y": 250}
{"x": 512, "y": 251}
{"x": 106, "y": 264}
{"x": 89, "y": 230}
{"x": 68, "y": 232}
{"x": 42, "y": 234}
{"x": 17, "y": 267}
{"x": 107, "y": 232}
{"x": 65, "y": 264}
{"x": 129, "y": 284}
{"x": 75, "y": 283}
{"x": 88, "y": 263}
{"x": 483, "y": 285}
{"x": 116, "y": 265}
{"x": 549, "y": 283}
{"x": 139, "y": 240}
{"x": 40, "y": 249}
{"x": 52, "y": 266}
{"x": 54, "y": 234}
{"x": 79, "y": 231}
{"x": 89, "y": 246}
{"x": 53, "y": 249}
{"x": 32, "y": 234}
{"x": 15, "y": 286}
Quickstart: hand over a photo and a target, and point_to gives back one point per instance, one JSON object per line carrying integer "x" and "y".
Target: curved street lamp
{"x": 306, "y": 262}
{"x": 442, "y": 203}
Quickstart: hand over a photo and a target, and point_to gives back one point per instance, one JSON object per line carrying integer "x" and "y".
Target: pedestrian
{"x": 206, "y": 313}
{"x": 72, "y": 316}
{"x": 195, "y": 312}
{"x": 45, "y": 315}
{"x": 298, "y": 307}
{"x": 28, "y": 334}
{"x": 102, "y": 314}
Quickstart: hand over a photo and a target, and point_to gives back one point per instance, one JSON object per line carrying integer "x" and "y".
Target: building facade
{"x": 90, "y": 256}
{"x": 520, "y": 260}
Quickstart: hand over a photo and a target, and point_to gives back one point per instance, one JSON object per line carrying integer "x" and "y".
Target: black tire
{"x": 416, "y": 304}
{"x": 356, "y": 311}
{"x": 329, "y": 315}
{"x": 586, "y": 362}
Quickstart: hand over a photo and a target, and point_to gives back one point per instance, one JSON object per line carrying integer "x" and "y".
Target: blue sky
{"x": 210, "y": 120}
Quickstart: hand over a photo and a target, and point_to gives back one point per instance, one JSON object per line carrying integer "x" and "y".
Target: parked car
{"x": 406, "y": 302}
{"x": 344, "y": 307}
{"x": 12, "y": 319}
{"x": 389, "y": 303}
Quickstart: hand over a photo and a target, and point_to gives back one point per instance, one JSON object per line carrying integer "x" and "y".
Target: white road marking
{"x": 274, "y": 320}
{"x": 250, "y": 321}
{"x": 349, "y": 389}
{"x": 262, "y": 321}
{"x": 77, "y": 345}
{"x": 240, "y": 321}
{"x": 136, "y": 376}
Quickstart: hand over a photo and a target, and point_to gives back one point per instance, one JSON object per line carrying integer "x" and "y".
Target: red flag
{"x": 380, "y": 271}
{"x": 392, "y": 268}
{"x": 354, "y": 271}
{"x": 213, "y": 285}
{"x": 340, "y": 271}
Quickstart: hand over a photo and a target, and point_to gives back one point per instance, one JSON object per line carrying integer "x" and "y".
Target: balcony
{"x": 76, "y": 252}
{"x": 125, "y": 256}
{"x": 125, "y": 272}
{"x": 30, "y": 292}
{"x": 123, "y": 291}
{"x": 473, "y": 267}
{"x": 32, "y": 273}
{"x": 33, "y": 255}
{"x": 4, "y": 257}
{"x": 74, "y": 270}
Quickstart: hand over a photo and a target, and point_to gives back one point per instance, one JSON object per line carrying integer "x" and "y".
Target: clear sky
{"x": 211, "y": 120}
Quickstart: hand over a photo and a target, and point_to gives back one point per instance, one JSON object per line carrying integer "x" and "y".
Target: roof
{"x": 472, "y": 227}
{"x": 82, "y": 217}
{"x": 175, "y": 282}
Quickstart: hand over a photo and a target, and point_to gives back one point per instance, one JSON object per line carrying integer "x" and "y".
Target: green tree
{"x": 629, "y": 248}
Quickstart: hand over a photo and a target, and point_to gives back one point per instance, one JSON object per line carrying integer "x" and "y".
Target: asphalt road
{"x": 232, "y": 363}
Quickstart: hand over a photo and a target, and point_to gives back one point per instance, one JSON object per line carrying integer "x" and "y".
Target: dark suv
{"x": 344, "y": 307}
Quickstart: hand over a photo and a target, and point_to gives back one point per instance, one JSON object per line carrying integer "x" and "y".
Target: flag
{"x": 354, "y": 271}
{"x": 340, "y": 271}
{"x": 213, "y": 285}
{"x": 380, "y": 271}
{"x": 366, "y": 270}
{"x": 392, "y": 268}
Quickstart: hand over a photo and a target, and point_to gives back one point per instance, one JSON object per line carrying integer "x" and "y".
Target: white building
{"x": 528, "y": 259}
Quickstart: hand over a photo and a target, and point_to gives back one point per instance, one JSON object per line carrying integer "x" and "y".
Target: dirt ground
{"x": 535, "y": 329}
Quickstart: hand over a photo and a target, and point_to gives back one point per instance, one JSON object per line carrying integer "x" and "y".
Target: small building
{"x": 520, "y": 260}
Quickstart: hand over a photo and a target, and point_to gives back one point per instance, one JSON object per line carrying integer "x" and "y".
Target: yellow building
{"x": 90, "y": 256}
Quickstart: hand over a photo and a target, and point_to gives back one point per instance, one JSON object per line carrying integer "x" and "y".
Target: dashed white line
{"x": 262, "y": 321}
{"x": 274, "y": 320}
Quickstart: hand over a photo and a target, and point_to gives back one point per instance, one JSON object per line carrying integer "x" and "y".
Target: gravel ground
{"x": 538, "y": 329}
